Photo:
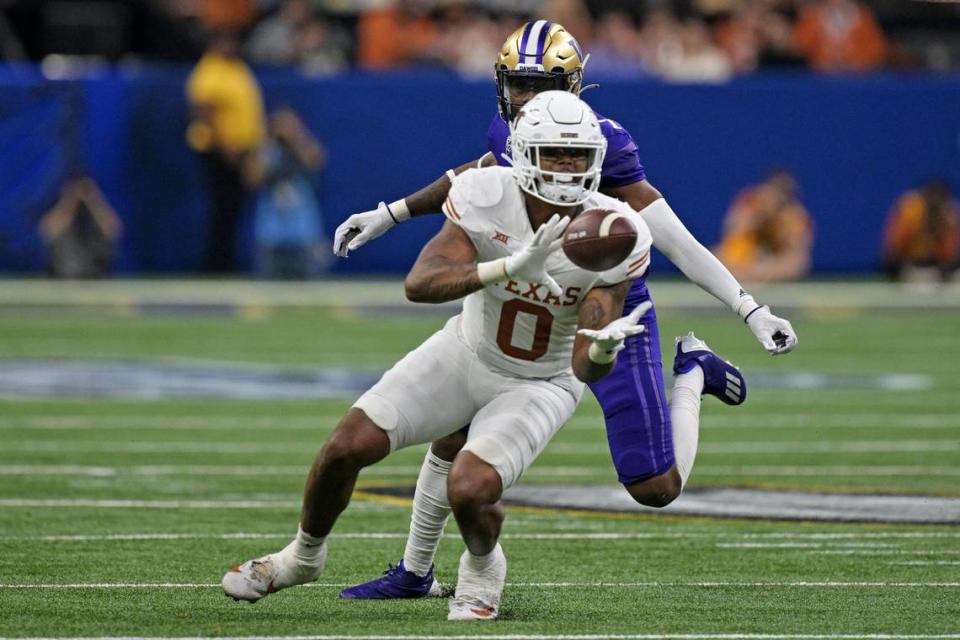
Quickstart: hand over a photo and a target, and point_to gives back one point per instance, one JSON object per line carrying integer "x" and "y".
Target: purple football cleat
{"x": 720, "y": 378}
{"x": 396, "y": 583}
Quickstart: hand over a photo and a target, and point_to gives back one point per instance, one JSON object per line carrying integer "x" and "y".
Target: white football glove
{"x": 361, "y": 228}
{"x": 609, "y": 341}
{"x": 529, "y": 263}
{"x": 774, "y": 333}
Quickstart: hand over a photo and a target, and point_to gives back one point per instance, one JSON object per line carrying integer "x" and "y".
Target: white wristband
{"x": 599, "y": 356}
{"x": 492, "y": 272}
{"x": 398, "y": 210}
{"x": 746, "y": 305}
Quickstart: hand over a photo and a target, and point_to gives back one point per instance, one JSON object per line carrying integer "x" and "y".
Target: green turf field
{"x": 119, "y": 516}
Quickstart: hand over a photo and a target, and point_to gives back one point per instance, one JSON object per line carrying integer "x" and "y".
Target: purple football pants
{"x": 634, "y": 401}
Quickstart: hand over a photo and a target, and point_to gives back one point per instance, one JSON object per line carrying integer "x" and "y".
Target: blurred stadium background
{"x": 156, "y": 426}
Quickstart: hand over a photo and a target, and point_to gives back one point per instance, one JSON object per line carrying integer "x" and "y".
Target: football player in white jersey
{"x": 653, "y": 441}
{"x": 513, "y": 364}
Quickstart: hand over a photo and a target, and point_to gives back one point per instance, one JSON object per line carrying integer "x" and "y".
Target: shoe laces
{"x": 392, "y": 570}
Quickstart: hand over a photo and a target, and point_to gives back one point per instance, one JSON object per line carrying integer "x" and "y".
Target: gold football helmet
{"x": 539, "y": 56}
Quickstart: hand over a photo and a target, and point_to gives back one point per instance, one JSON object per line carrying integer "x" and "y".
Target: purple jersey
{"x": 621, "y": 165}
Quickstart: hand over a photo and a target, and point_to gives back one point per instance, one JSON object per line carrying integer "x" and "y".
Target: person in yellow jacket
{"x": 923, "y": 230}
{"x": 767, "y": 234}
{"x": 227, "y": 124}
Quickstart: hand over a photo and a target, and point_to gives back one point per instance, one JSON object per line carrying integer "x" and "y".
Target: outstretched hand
{"x": 529, "y": 263}
{"x": 774, "y": 333}
{"x": 361, "y": 228}
{"x": 610, "y": 339}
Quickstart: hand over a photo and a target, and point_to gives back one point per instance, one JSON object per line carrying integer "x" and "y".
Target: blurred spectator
{"x": 697, "y": 59}
{"x": 572, "y": 14}
{"x": 767, "y": 235}
{"x": 923, "y": 231}
{"x": 840, "y": 35}
{"x": 395, "y": 35}
{"x": 660, "y": 38}
{"x": 274, "y": 40}
{"x": 287, "y": 219}
{"x": 10, "y": 46}
{"x": 321, "y": 48}
{"x": 226, "y": 15}
{"x": 80, "y": 232}
{"x": 777, "y": 48}
{"x": 468, "y": 40}
{"x": 738, "y": 35}
{"x": 616, "y": 50}
{"x": 226, "y": 124}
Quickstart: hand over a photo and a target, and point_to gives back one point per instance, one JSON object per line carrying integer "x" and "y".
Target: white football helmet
{"x": 556, "y": 119}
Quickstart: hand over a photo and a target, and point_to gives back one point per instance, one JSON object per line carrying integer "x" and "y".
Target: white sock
{"x": 307, "y": 549}
{"x": 480, "y": 564}
{"x": 685, "y": 417}
{"x": 431, "y": 510}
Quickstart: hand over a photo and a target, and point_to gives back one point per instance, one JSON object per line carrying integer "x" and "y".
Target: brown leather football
{"x": 599, "y": 239}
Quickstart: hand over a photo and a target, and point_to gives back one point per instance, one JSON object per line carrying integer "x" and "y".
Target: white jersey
{"x": 520, "y": 327}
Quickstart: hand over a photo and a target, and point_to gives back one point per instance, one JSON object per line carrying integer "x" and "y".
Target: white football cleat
{"x": 255, "y": 579}
{"x": 477, "y": 596}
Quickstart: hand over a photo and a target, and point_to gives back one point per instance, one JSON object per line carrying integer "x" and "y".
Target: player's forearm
{"x": 441, "y": 280}
{"x": 696, "y": 262}
{"x": 590, "y": 365}
{"x": 430, "y": 198}
{"x": 585, "y": 369}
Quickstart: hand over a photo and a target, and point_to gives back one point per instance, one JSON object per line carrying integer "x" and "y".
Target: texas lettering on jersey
{"x": 540, "y": 293}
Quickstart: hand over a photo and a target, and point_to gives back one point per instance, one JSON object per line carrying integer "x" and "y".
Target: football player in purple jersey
{"x": 653, "y": 442}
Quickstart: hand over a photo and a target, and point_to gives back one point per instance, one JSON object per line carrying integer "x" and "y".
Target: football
{"x": 599, "y": 239}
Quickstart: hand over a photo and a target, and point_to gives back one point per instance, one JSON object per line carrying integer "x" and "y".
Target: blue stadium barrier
{"x": 854, "y": 143}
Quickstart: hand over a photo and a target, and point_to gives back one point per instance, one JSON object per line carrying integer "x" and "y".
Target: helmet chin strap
{"x": 583, "y": 69}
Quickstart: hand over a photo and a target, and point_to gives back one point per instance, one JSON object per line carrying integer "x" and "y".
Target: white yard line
{"x": 167, "y": 446}
{"x": 885, "y": 552}
{"x": 798, "y": 545}
{"x": 828, "y": 447}
{"x": 152, "y": 504}
{"x": 803, "y": 420}
{"x": 323, "y": 421}
{"x": 565, "y": 636}
{"x": 253, "y": 471}
{"x": 541, "y": 470}
{"x": 180, "y": 422}
{"x": 835, "y": 471}
{"x": 839, "y": 535}
{"x": 784, "y": 447}
{"x": 666, "y": 534}
{"x": 942, "y": 563}
{"x": 518, "y": 585}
